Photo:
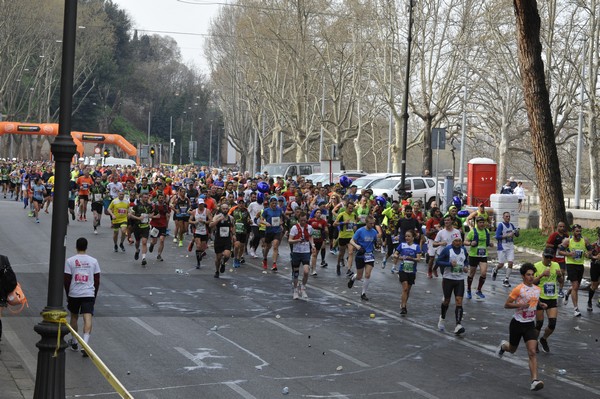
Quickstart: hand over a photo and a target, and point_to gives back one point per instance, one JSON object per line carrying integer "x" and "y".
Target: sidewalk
{"x": 15, "y": 382}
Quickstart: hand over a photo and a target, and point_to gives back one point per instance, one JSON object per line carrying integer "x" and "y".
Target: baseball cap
{"x": 273, "y": 198}
{"x": 201, "y": 201}
{"x": 548, "y": 253}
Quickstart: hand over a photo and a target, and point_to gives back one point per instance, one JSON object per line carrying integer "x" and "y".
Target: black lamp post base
{"x": 50, "y": 381}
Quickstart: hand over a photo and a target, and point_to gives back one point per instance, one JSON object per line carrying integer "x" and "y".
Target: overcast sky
{"x": 191, "y": 18}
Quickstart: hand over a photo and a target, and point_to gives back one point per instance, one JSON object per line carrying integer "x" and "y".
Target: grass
{"x": 534, "y": 239}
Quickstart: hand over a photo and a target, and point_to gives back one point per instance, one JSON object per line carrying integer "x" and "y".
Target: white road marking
{"x": 158, "y": 389}
{"x": 259, "y": 367}
{"x": 283, "y": 326}
{"x": 417, "y": 390}
{"x": 145, "y": 326}
{"x": 243, "y": 393}
{"x": 338, "y": 395}
{"x": 348, "y": 357}
{"x": 198, "y": 358}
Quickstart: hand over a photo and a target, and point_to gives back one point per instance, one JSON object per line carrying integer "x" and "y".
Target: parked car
{"x": 422, "y": 188}
{"x": 323, "y": 178}
{"x": 368, "y": 180}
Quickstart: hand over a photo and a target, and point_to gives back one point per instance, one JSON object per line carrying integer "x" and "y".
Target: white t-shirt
{"x": 253, "y": 209}
{"x": 82, "y": 269}
{"x": 520, "y": 192}
{"x": 114, "y": 188}
{"x": 447, "y": 236}
{"x": 302, "y": 246}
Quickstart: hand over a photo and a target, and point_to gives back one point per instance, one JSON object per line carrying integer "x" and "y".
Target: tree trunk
{"x": 427, "y": 152}
{"x": 537, "y": 102}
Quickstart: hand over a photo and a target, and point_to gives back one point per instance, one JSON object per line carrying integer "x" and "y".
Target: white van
{"x": 292, "y": 169}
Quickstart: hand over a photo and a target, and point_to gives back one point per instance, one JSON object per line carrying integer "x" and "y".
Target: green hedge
{"x": 534, "y": 239}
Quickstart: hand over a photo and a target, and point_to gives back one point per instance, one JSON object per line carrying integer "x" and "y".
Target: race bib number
{"x": 456, "y": 269}
{"x": 224, "y": 231}
{"x": 201, "y": 229}
{"x": 126, "y": 198}
{"x": 84, "y": 186}
{"x": 550, "y": 289}
{"x": 369, "y": 257}
{"x": 275, "y": 221}
{"x": 240, "y": 227}
{"x": 145, "y": 218}
{"x": 362, "y": 218}
{"x": 408, "y": 266}
{"x": 97, "y": 197}
{"x": 395, "y": 239}
{"x": 528, "y": 314}
{"x": 81, "y": 278}
{"x": 183, "y": 210}
{"x": 316, "y": 233}
{"x": 154, "y": 232}
{"x": 578, "y": 254}
{"x": 349, "y": 226}
{"x": 121, "y": 211}
{"x": 481, "y": 252}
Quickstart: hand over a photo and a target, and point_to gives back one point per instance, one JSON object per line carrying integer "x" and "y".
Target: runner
{"x": 141, "y": 214}
{"x": 575, "y": 249}
{"x": 224, "y": 237}
{"x": 554, "y": 241}
{"x": 392, "y": 216}
{"x": 408, "y": 253}
{"x": 345, "y": 222}
{"x": 242, "y": 223}
{"x": 84, "y": 183}
{"x": 158, "y": 224}
{"x": 547, "y": 276}
{"x": 454, "y": 263}
{"x": 505, "y": 233}
{"x": 364, "y": 242}
{"x": 301, "y": 238}
{"x": 272, "y": 217}
{"x": 524, "y": 299}
{"x": 118, "y": 210}
{"x": 479, "y": 240}
{"x": 97, "y": 193}
{"x": 320, "y": 231}
{"x": 181, "y": 207}
{"x": 38, "y": 192}
{"x": 81, "y": 281}
{"x": 432, "y": 227}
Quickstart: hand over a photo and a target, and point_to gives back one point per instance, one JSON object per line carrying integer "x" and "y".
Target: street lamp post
{"x": 171, "y": 141}
{"x": 463, "y": 134}
{"x": 50, "y": 373}
{"x": 210, "y": 146}
{"x": 405, "y": 98}
{"x": 580, "y": 133}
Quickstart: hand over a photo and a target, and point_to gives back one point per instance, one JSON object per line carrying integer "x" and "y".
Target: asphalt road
{"x": 188, "y": 335}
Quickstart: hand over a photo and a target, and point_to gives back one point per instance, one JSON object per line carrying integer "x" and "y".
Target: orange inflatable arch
{"x": 51, "y": 129}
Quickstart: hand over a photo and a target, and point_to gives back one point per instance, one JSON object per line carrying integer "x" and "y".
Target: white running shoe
{"x": 303, "y": 292}
{"x": 295, "y": 294}
{"x": 459, "y": 329}
{"x": 536, "y": 385}
{"x": 441, "y": 324}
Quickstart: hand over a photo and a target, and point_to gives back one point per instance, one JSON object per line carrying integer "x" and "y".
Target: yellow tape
{"x": 60, "y": 317}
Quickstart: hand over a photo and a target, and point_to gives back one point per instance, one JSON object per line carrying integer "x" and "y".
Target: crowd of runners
{"x": 250, "y": 215}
